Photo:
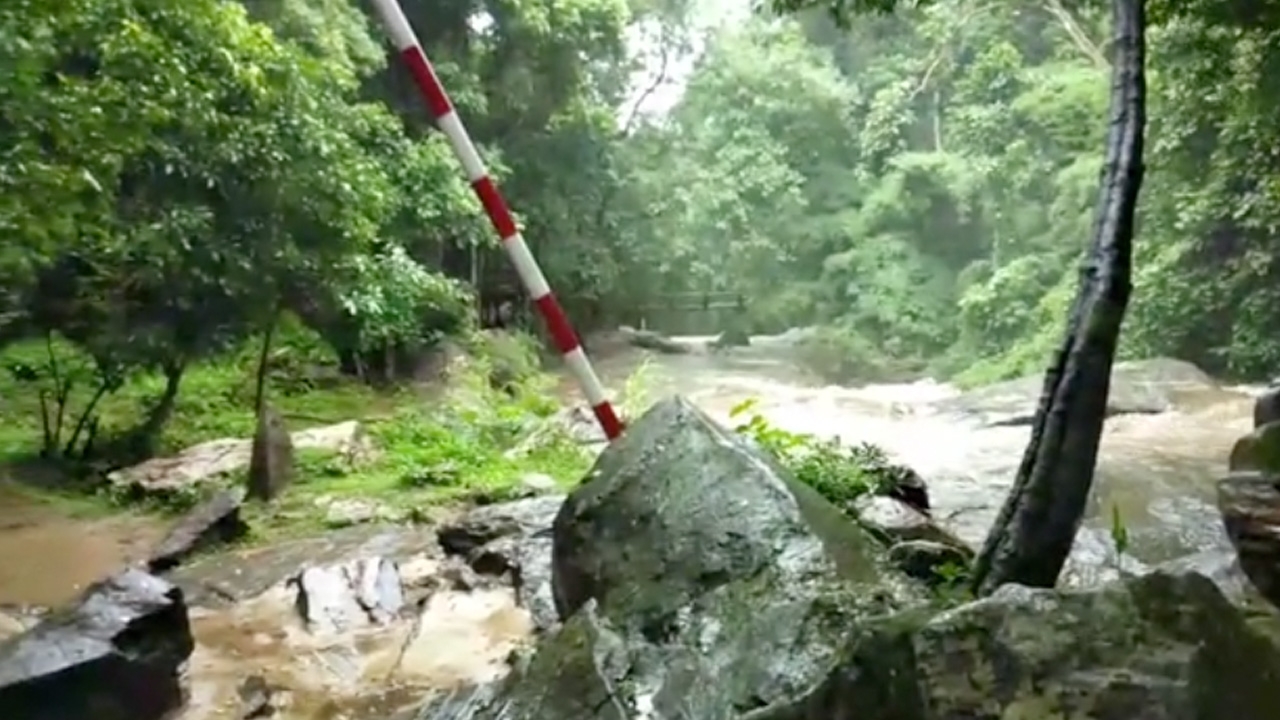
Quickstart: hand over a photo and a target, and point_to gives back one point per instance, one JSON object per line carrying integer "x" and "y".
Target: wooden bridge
{"x": 695, "y": 301}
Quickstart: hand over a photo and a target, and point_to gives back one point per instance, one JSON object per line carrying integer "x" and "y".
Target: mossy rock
{"x": 1157, "y": 647}
{"x": 1259, "y": 450}
{"x": 698, "y": 581}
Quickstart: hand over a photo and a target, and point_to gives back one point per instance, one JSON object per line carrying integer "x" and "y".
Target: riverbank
{"x": 443, "y": 442}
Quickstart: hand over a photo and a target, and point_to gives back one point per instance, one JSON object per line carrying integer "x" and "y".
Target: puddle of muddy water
{"x": 48, "y": 556}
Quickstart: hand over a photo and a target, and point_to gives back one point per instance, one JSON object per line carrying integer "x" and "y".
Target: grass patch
{"x": 430, "y": 446}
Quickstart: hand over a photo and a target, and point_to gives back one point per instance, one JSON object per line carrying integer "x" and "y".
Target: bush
{"x": 838, "y": 472}
{"x": 449, "y": 448}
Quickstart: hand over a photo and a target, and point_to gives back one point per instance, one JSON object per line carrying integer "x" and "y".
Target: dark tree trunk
{"x": 1032, "y": 537}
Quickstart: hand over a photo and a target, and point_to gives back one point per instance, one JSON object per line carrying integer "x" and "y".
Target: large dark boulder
{"x": 115, "y": 655}
{"x": 697, "y": 580}
{"x": 1157, "y": 647}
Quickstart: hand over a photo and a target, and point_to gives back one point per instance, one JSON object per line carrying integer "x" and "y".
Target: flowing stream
{"x": 1157, "y": 466}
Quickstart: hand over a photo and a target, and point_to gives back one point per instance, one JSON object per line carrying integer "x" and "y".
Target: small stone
{"x": 896, "y": 521}
{"x": 539, "y": 484}
{"x": 926, "y": 559}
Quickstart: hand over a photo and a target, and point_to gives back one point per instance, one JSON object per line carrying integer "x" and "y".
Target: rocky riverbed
{"x": 373, "y": 620}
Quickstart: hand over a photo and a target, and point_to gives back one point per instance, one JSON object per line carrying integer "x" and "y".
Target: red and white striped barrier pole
{"x": 535, "y": 283}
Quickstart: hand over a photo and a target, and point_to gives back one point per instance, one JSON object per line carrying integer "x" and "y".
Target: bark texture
{"x": 1033, "y": 534}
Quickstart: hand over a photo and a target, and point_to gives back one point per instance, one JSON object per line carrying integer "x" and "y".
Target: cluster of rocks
{"x": 693, "y": 578}
{"x": 690, "y": 577}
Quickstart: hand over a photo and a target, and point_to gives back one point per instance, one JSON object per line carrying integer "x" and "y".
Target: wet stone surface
{"x": 694, "y": 580}
{"x": 214, "y": 522}
{"x": 369, "y": 621}
{"x": 116, "y": 654}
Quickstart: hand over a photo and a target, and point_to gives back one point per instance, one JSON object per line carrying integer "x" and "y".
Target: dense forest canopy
{"x": 919, "y": 184}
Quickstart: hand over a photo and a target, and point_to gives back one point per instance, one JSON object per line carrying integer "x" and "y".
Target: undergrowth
{"x": 840, "y": 473}
{"x": 453, "y": 440}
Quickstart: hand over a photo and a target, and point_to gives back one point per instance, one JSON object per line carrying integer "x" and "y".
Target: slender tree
{"x": 1034, "y": 532}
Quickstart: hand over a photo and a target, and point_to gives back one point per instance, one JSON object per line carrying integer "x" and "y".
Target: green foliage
{"x": 1119, "y": 534}
{"x": 838, "y": 472}
{"x": 923, "y": 182}
{"x": 452, "y": 448}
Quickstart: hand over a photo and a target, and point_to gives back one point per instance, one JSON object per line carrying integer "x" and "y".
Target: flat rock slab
{"x": 115, "y": 655}
{"x": 216, "y": 458}
{"x": 219, "y": 581}
{"x": 695, "y": 579}
{"x": 1137, "y": 387}
{"x": 214, "y": 522}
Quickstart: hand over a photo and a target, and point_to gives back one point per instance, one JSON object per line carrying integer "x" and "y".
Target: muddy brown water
{"x": 47, "y": 558}
{"x": 1158, "y": 469}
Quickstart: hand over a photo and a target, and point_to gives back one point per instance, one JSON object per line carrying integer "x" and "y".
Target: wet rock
{"x": 650, "y": 340}
{"x": 259, "y": 699}
{"x": 519, "y": 518}
{"x": 527, "y": 561}
{"x": 229, "y": 578}
{"x": 928, "y": 560}
{"x": 1259, "y": 450}
{"x": 698, "y": 580}
{"x": 734, "y": 337}
{"x": 339, "y": 598}
{"x": 345, "y": 512}
{"x": 1137, "y": 387}
{"x": 895, "y": 521}
{"x": 1158, "y": 647}
{"x": 213, "y": 522}
{"x": 13, "y": 623}
{"x": 209, "y": 461}
{"x": 1266, "y": 407}
{"x": 910, "y": 488}
{"x": 512, "y": 539}
{"x": 1250, "y": 506}
{"x": 271, "y": 456}
{"x": 1223, "y": 568}
{"x": 115, "y": 655}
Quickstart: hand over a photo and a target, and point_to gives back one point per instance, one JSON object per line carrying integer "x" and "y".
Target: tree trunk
{"x": 264, "y": 363}
{"x": 1033, "y": 534}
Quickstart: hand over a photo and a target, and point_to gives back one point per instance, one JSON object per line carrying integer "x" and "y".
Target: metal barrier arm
{"x": 535, "y": 283}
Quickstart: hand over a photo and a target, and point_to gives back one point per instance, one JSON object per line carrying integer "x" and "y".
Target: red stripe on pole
{"x": 562, "y": 334}
{"x": 495, "y": 207}
{"x": 437, "y": 100}
{"x": 425, "y": 77}
{"x": 608, "y": 420}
